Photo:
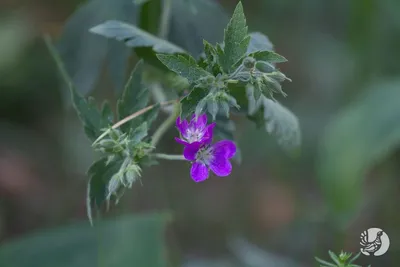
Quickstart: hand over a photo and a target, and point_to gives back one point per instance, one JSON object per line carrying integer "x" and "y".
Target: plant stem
{"x": 131, "y": 117}
{"x": 163, "y": 28}
{"x": 166, "y": 125}
{"x": 168, "y": 156}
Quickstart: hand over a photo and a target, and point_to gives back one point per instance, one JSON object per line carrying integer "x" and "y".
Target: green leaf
{"x": 133, "y": 239}
{"x": 88, "y": 113}
{"x": 132, "y": 36}
{"x": 99, "y": 174}
{"x": 134, "y": 98}
{"x": 211, "y": 61}
{"x": 358, "y": 137}
{"x": 139, "y": 133}
{"x": 184, "y": 66}
{"x": 268, "y": 56}
{"x": 334, "y": 257}
{"x": 190, "y": 102}
{"x": 85, "y": 54}
{"x": 278, "y": 121}
{"x": 236, "y": 39}
{"x": 326, "y": 264}
{"x": 106, "y": 113}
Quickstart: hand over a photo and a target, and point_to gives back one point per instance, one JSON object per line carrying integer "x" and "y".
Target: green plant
{"x": 344, "y": 259}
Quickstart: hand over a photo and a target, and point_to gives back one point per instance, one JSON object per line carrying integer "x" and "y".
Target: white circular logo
{"x": 374, "y": 242}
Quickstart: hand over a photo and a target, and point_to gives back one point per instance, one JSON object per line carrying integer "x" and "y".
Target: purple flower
{"x": 196, "y": 130}
{"x": 210, "y": 156}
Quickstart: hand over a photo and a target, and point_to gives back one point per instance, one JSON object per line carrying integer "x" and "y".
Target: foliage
{"x": 123, "y": 241}
{"x": 344, "y": 259}
{"x": 218, "y": 83}
{"x": 357, "y": 139}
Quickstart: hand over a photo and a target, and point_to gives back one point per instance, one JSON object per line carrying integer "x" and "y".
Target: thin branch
{"x": 165, "y": 125}
{"x": 168, "y": 156}
{"x": 131, "y": 117}
{"x": 165, "y": 19}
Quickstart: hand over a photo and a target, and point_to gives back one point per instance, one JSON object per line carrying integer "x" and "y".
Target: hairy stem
{"x": 168, "y": 156}
{"x": 131, "y": 117}
{"x": 166, "y": 125}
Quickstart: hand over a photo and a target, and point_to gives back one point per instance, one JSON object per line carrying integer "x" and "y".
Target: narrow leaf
{"x": 189, "y": 102}
{"x": 327, "y": 264}
{"x": 334, "y": 257}
{"x": 183, "y": 66}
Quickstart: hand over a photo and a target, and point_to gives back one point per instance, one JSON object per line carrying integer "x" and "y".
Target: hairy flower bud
{"x": 249, "y": 62}
{"x": 264, "y": 66}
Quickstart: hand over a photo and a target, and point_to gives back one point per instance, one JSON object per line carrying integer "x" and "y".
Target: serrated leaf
{"x": 210, "y": 52}
{"x": 132, "y": 36}
{"x": 184, "y": 66}
{"x": 121, "y": 241}
{"x": 106, "y": 113}
{"x": 139, "y": 133}
{"x": 88, "y": 113}
{"x": 189, "y": 102}
{"x": 357, "y": 138}
{"x": 236, "y": 39}
{"x": 99, "y": 174}
{"x": 278, "y": 121}
{"x": 268, "y": 56}
{"x": 134, "y": 98}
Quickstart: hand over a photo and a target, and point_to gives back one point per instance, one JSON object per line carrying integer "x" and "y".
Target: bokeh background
{"x": 274, "y": 210}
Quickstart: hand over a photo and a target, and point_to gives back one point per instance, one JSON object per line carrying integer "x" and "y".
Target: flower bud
{"x": 264, "y": 66}
{"x": 279, "y": 76}
{"x": 249, "y": 62}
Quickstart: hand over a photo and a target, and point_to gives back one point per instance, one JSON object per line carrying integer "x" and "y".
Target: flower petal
{"x": 200, "y": 122}
{"x": 182, "y": 125}
{"x": 191, "y": 150}
{"x": 180, "y": 141}
{"x": 199, "y": 172}
{"x": 208, "y": 135}
{"x": 225, "y": 149}
{"x": 221, "y": 166}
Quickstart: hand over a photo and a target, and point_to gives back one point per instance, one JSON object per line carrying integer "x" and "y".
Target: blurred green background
{"x": 274, "y": 210}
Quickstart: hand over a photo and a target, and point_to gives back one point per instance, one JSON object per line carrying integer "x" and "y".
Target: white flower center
{"x": 193, "y": 135}
{"x": 205, "y": 155}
